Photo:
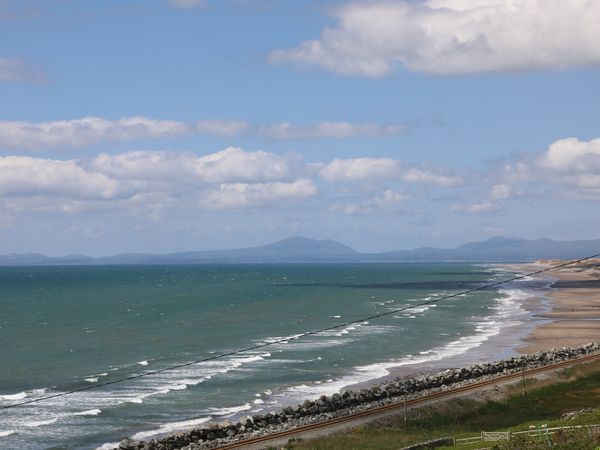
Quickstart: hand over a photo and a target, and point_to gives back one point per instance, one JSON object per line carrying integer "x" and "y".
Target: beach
{"x": 558, "y": 308}
{"x": 573, "y": 313}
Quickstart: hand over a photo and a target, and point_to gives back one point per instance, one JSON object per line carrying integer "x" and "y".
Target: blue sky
{"x": 170, "y": 125}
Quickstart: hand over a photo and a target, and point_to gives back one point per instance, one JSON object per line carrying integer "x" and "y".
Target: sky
{"x": 172, "y": 125}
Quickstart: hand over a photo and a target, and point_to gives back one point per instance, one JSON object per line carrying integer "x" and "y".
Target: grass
{"x": 571, "y": 389}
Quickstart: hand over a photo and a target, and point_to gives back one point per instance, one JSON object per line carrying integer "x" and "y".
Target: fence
{"x": 487, "y": 436}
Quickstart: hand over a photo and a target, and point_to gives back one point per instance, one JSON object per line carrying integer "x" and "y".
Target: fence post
{"x": 405, "y": 425}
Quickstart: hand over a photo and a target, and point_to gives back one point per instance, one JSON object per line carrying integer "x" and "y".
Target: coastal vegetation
{"x": 545, "y": 402}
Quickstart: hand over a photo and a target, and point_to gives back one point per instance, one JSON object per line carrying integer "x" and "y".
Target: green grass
{"x": 576, "y": 388}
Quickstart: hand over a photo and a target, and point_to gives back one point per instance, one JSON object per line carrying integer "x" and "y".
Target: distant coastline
{"x": 306, "y": 250}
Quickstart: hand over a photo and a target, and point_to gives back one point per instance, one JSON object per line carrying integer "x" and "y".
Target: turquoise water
{"x": 62, "y": 328}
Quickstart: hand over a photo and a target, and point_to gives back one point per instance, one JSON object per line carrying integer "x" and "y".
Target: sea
{"x": 65, "y": 328}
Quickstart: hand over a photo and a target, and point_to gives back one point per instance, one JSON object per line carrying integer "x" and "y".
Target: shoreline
{"x": 540, "y": 328}
{"x": 563, "y": 310}
{"x": 501, "y": 346}
{"x": 508, "y": 343}
{"x": 351, "y": 403}
{"x": 573, "y": 317}
{"x": 551, "y": 309}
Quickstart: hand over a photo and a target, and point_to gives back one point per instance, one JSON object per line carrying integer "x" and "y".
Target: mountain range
{"x": 302, "y": 249}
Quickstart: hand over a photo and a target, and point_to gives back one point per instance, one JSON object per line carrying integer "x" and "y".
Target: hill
{"x": 301, "y": 249}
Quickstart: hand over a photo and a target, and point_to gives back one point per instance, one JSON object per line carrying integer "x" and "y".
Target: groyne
{"x": 212, "y": 435}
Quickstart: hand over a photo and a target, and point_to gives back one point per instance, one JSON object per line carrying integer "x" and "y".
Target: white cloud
{"x": 389, "y": 202}
{"x": 567, "y": 162}
{"x": 229, "y": 165}
{"x": 25, "y": 176}
{"x": 572, "y": 155}
{"x": 19, "y": 135}
{"x": 152, "y": 181}
{"x": 82, "y": 132}
{"x": 360, "y": 169}
{"x": 20, "y": 71}
{"x": 187, "y": 4}
{"x": 482, "y": 207}
{"x": 430, "y": 176}
{"x": 221, "y": 127}
{"x": 93, "y": 130}
{"x": 380, "y": 169}
{"x": 372, "y": 38}
{"x": 236, "y": 164}
{"x": 332, "y": 130}
{"x": 145, "y": 165}
{"x": 244, "y": 195}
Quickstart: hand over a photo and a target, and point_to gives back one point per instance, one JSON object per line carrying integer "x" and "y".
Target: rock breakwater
{"x": 212, "y": 435}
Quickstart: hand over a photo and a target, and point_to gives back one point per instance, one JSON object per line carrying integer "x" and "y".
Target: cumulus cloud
{"x": 567, "y": 162}
{"x": 25, "y": 176}
{"x": 144, "y": 165}
{"x": 332, "y": 130}
{"x": 244, "y": 195}
{"x": 187, "y": 4}
{"x": 236, "y": 164}
{"x": 380, "y": 169}
{"x": 231, "y": 178}
{"x": 572, "y": 155}
{"x": 359, "y": 169}
{"x": 230, "y": 164}
{"x": 444, "y": 37}
{"x": 20, "y": 71}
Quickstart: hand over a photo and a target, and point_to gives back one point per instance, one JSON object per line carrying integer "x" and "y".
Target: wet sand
{"x": 574, "y": 315}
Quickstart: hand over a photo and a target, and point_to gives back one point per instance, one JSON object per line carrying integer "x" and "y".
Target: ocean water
{"x": 64, "y": 328}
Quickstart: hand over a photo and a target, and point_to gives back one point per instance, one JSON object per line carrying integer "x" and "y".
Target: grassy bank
{"x": 545, "y": 401}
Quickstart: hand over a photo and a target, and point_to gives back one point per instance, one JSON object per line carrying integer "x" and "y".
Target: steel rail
{"x": 411, "y": 402}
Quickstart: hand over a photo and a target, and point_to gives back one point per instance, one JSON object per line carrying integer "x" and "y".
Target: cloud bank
{"x": 93, "y": 130}
{"x": 76, "y": 133}
{"x": 385, "y": 169}
{"x": 228, "y": 179}
{"x": 234, "y": 178}
{"x": 446, "y": 37}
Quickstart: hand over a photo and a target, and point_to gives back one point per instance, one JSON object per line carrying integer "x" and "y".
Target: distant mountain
{"x": 302, "y": 249}
{"x": 294, "y": 249}
{"x": 500, "y": 249}
{"x": 35, "y": 259}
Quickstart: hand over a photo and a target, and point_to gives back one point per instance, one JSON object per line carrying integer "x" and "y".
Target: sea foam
{"x": 169, "y": 428}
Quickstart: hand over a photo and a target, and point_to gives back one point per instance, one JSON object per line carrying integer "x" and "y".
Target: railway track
{"x": 409, "y": 403}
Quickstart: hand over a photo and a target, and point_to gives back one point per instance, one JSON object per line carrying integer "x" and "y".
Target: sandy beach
{"x": 574, "y": 315}
{"x": 565, "y": 312}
